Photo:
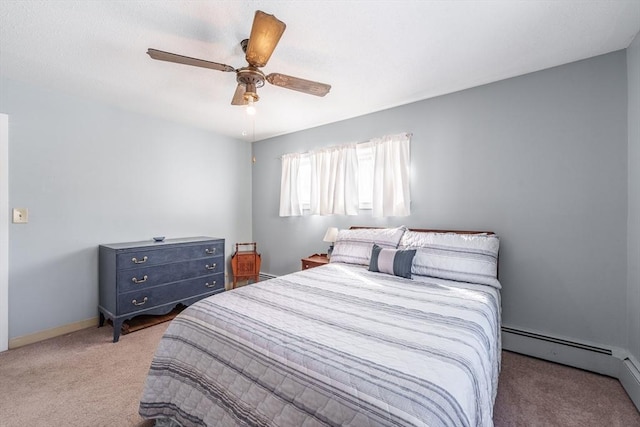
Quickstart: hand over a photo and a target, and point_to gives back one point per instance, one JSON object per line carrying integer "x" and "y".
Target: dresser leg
{"x": 117, "y": 326}
{"x": 101, "y": 322}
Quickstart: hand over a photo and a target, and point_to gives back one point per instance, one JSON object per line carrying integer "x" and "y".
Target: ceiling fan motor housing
{"x": 252, "y": 78}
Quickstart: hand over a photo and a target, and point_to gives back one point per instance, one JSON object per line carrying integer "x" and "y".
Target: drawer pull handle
{"x": 210, "y": 285}
{"x": 210, "y": 251}
{"x": 139, "y": 261}
{"x": 136, "y": 280}
{"x": 134, "y": 302}
{"x": 211, "y": 267}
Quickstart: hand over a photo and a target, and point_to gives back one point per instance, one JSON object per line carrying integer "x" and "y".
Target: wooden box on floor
{"x": 245, "y": 263}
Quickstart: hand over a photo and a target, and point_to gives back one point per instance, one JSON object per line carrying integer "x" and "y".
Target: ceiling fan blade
{"x": 265, "y": 34}
{"x": 180, "y": 59}
{"x": 301, "y": 85}
{"x": 238, "y": 97}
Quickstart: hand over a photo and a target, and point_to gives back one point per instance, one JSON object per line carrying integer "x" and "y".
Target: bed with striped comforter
{"x": 333, "y": 345}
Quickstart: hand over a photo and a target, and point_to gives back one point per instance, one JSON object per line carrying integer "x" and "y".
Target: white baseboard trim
{"x": 52, "y": 333}
{"x": 630, "y": 379}
{"x": 577, "y": 354}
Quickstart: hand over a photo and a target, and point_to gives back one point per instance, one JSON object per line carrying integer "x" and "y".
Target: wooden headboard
{"x": 355, "y": 227}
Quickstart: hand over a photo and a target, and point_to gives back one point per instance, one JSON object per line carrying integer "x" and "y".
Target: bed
{"x": 348, "y": 343}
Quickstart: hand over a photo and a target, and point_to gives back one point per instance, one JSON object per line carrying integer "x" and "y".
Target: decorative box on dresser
{"x": 154, "y": 277}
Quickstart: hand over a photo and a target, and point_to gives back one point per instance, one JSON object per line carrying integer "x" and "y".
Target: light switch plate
{"x": 20, "y": 215}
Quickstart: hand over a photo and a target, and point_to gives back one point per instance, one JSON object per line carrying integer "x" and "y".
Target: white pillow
{"x": 354, "y": 246}
{"x": 471, "y": 258}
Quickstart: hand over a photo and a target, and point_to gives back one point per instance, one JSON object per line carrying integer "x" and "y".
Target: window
{"x": 365, "y": 176}
{"x": 342, "y": 180}
{"x": 365, "y": 179}
{"x": 304, "y": 177}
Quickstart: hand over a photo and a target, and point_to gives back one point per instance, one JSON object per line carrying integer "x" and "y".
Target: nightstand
{"x": 315, "y": 260}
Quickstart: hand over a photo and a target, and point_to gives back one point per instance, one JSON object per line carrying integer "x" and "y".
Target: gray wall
{"x": 633, "y": 266}
{"x": 540, "y": 159}
{"x": 93, "y": 174}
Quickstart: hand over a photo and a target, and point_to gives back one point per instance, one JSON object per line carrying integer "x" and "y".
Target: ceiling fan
{"x": 265, "y": 34}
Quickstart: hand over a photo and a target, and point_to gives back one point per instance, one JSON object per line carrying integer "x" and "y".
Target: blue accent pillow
{"x": 392, "y": 261}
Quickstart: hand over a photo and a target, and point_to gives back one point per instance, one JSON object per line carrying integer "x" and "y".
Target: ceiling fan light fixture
{"x": 250, "y": 97}
{"x": 250, "y": 91}
{"x": 251, "y": 108}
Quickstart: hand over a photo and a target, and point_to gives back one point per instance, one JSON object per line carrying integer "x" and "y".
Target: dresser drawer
{"x": 152, "y": 297}
{"x": 146, "y": 277}
{"x": 147, "y": 256}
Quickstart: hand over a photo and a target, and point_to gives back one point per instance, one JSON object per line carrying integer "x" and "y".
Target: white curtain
{"x": 334, "y": 181}
{"x": 290, "y": 204}
{"x": 391, "y": 176}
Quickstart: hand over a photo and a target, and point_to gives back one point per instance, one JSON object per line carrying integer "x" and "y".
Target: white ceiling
{"x": 375, "y": 54}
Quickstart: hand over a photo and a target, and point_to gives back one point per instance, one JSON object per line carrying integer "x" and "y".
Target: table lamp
{"x": 330, "y": 236}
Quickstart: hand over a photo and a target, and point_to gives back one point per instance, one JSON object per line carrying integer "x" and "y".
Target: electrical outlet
{"x": 20, "y": 215}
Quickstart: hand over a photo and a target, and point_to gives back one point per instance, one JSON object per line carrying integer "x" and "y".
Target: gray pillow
{"x": 392, "y": 261}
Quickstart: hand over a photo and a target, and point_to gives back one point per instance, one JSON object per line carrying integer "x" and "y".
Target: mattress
{"x": 333, "y": 345}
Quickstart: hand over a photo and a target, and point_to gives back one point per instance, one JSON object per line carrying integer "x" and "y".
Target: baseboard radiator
{"x": 587, "y": 356}
{"x": 266, "y": 276}
{"x": 614, "y": 362}
{"x": 555, "y": 340}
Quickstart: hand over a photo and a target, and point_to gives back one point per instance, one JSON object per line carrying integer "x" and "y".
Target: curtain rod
{"x": 409, "y": 134}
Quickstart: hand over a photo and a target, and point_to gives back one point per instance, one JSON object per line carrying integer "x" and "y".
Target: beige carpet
{"x": 83, "y": 379}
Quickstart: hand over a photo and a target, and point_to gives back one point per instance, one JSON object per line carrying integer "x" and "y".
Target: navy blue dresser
{"x": 154, "y": 277}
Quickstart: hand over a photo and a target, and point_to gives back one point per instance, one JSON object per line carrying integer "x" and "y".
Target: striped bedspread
{"x": 333, "y": 345}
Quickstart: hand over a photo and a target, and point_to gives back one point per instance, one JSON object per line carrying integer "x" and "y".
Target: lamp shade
{"x": 331, "y": 235}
